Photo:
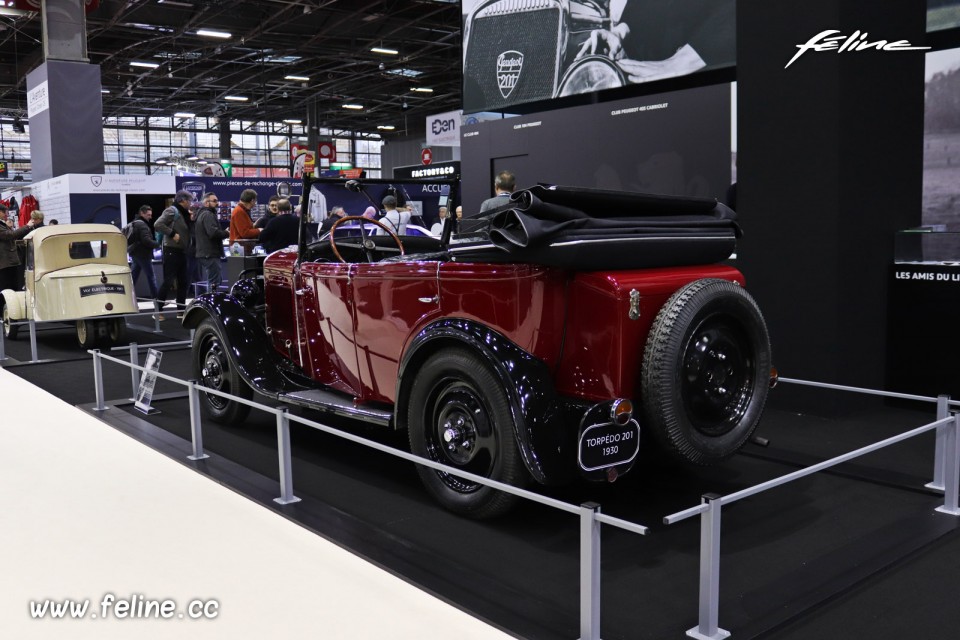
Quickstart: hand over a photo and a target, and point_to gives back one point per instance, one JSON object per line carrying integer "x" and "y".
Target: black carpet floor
{"x": 854, "y": 552}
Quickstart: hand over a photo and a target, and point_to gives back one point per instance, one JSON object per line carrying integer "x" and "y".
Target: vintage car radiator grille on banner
{"x": 511, "y": 57}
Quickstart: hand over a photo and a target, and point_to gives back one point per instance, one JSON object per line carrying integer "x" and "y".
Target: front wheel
{"x": 459, "y": 415}
{"x": 212, "y": 368}
{"x": 10, "y": 330}
{"x": 706, "y": 371}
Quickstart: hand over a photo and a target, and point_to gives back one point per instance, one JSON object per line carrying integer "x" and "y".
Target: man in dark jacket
{"x": 209, "y": 236}
{"x": 140, "y": 246}
{"x": 174, "y": 225}
{"x": 282, "y": 231}
{"x": 9, "y": 257}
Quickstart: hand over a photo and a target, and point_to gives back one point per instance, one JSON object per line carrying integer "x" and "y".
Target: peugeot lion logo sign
{"x": 96, "y": 180}
{"x": 509, "y": 65}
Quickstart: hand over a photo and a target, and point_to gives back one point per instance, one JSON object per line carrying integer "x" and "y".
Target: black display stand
{"x": 924, "y": 354}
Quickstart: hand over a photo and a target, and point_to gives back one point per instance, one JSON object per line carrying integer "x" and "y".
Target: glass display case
{"x": 926, "y": 245}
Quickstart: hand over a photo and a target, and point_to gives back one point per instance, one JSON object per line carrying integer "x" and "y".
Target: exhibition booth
{"x": 694, "y": 377}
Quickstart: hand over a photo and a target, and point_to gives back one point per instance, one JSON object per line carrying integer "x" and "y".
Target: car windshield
{"x": 88, "y": 249}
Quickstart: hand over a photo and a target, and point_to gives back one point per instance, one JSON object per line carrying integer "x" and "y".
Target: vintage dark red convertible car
{"x": 537, "y": 349}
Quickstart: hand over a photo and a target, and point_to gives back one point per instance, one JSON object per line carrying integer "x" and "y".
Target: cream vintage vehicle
{"x": 76, "y": 272}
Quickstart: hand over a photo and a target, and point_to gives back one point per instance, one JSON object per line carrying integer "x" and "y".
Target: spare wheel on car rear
{"x": 706, "y": 370}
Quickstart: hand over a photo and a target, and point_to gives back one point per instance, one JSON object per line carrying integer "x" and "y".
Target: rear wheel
{"x": 116, "y": 330}
{"x": 212, "y": 368}
{"x": 706, "y": 371}
{"x": 87, "y": 334}
{"x": 459, "y": 415}
{"x": 10, "y": 330}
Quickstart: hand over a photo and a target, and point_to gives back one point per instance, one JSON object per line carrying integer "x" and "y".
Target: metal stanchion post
{"x": 134, "y": 372}
{"x": 283, "y": 452}
{"x": 3, "y": 356}
{"x": 97, "y": 380}
{"x": 708, "y": 627}
{"x": 33, "y": 341}
{"x": 196, "y": 433}
{"x": 951, "y": 469}
{"x": 589, "y": 571}
{"x": 939, "y": 452}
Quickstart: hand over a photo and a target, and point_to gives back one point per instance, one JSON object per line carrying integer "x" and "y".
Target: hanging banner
{"x": 443, "y": 129}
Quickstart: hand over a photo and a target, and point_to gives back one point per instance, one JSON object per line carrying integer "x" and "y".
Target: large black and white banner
{"x": 517, "y": 52}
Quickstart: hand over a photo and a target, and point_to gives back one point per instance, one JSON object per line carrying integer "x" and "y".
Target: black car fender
{"x": 539, "y": 415}
{"x": 249, "y": 347}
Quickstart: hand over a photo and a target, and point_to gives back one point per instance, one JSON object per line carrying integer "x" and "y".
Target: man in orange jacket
{"x": 241, "y": 224}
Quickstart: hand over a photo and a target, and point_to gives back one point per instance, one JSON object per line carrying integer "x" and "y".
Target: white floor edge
{"x": 86, "y": 511}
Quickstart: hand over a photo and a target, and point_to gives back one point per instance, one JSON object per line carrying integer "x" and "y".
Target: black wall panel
{"x": 829, "y": 167}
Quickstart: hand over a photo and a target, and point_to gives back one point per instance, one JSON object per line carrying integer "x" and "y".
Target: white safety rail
{"x": 946, "y": 478}
{"x": 588, "y": 513}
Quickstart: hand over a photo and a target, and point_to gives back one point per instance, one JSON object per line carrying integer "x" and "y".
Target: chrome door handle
{"x": 433, "y": 300}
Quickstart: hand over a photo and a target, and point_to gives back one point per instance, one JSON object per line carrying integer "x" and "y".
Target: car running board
{"x": 332, "y": 402}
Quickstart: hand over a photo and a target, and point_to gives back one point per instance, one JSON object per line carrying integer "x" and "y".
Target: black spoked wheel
{"x": 87, "y": 334}
{"x": 459, "y": 415}
{"x": 213, "y": 368}
{"x": 10, "y": 330}
{"x": 706, "y": 371}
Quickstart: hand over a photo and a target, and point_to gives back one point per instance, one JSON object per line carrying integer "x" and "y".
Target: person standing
{"x": 140, "y": 246}
{"x": 209, "y": 241}
{"x": 174, "y": 226}
{"x": 9, "y": 257}
{"x": 283, "y": 230}
{"x": 270, "y": 214}
{"x": 394, "y": 219}
{"x": 503, "y": 186}
{"x": 241, "y": 223}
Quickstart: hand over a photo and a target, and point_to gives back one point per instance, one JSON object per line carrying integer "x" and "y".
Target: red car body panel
{"x": 348, "y": 325}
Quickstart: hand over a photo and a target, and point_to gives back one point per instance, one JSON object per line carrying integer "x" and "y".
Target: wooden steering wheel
{"x": 366, "y": 243}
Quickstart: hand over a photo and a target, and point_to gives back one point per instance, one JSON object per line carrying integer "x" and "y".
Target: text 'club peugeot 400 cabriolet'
{"x": 536, "y": 349}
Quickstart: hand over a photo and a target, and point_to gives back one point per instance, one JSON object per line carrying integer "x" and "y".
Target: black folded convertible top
{"x": 593, "y": 229}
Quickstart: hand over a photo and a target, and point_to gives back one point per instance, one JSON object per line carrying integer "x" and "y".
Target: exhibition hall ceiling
{"x": 329, "y": 42}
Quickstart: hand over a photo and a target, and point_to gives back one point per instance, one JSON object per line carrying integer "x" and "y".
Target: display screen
{"x": 941, "y": 145}
{"x": 515, "y": 53}
{"x": 943, "y": 14}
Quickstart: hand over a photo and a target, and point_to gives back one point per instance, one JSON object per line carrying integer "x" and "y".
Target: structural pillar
{"x": 64, "y": 102}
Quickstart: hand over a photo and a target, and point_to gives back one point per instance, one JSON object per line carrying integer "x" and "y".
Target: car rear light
{"x": 621, "y": 411}
{"x": 774, "y": 377}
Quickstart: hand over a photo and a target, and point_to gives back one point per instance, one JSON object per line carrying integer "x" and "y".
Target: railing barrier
{"x": 589, "y": 514}
{"x": 947, "y": 466}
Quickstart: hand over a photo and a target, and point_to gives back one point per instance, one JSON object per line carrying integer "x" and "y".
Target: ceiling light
{"x": 352, "y": 106}
{"x": 236, "y": 98}
{"x": 193, "y": 158}
{"x": 384, "y": 51}
{"x": 184, "y": 115}
{"x": 386, "y": 127}
{"x": 422, "y": 89}
{"x": 297, "y": 78}
{"x": 406, "y": 73}
{"x": 174, "y": 3}
{"x": 104, "y": 90}
{"x": 293, "y": 121}
{"x": 148, "y": 65}
{"x": 212, "y": 33}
